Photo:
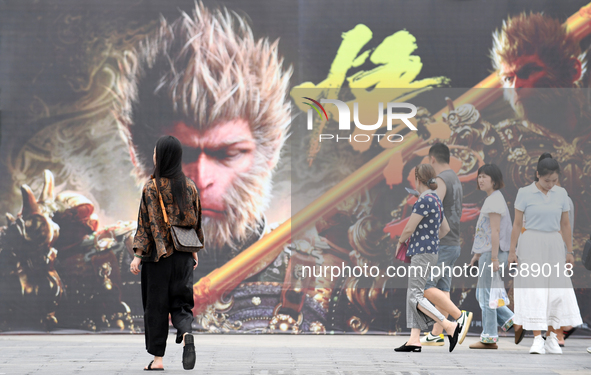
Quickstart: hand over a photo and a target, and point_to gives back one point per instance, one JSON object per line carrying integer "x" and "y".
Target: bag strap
{"x": 161, "y": 202}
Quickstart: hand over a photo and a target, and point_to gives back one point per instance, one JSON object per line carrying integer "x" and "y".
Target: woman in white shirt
{"x": 563, "y": 332}
{"x": 544, "y": 295}
{"x": 490, "y": 248}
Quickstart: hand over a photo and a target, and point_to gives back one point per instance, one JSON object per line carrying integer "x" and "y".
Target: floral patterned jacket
{"x": 153, "y": 236}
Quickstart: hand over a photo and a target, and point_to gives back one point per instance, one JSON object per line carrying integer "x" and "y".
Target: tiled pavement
{"x": 281, "y": 354}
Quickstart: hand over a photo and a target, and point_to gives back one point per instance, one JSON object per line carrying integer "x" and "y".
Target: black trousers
{"x": 167, "y": 288}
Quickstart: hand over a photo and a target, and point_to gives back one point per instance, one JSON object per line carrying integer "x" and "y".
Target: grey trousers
{"x": 418, "y": 273}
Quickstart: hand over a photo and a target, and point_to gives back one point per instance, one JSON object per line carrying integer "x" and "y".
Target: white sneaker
{"x": 589, "y": 350}
{"x": 430, "y": 340}
{"x": 464, "y": 320}
{"x": 552, "y": 346}
{"x": 538, "y": 346}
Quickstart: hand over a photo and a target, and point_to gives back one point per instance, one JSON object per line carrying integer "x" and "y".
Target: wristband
{"x": 570, "y": 252}
{"x": 494, "y": 259}
{"x": 137, "y": 256}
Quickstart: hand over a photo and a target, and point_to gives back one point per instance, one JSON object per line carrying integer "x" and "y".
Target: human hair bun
{"x": 545, "y": 155}
{"x": 426, "y": 175}
{"x": 432, "y": 183}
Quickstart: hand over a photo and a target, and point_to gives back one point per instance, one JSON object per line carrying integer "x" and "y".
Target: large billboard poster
{"x": 271, "y": 101}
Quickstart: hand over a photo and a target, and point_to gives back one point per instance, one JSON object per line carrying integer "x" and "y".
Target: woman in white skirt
{"x": 544, "y": 295}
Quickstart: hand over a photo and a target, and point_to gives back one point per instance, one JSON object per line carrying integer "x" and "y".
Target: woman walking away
{"x": 167, "y": 274}
{"x": 491, "y": 246}
{"x": 547, "y": 301}
{"x": 424, "y": 228}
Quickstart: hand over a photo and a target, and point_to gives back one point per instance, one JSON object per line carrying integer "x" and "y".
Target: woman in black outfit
{"x": 167, "y": 274}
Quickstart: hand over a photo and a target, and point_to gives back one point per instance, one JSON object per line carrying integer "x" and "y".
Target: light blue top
{"x": 542, "y": 211}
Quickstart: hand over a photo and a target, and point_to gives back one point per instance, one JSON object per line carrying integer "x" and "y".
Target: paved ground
{"x": 280, "y": 354}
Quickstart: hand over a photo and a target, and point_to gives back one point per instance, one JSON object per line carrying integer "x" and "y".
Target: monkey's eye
{"x": 231, "y": 154}
{"x": 226, "y": 154}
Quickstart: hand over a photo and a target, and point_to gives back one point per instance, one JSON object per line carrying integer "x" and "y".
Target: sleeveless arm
{"x": 441, "y": 189}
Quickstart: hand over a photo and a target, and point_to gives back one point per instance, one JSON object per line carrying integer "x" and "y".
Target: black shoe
{"x": 189, "y": 352}
{"x": 569, "y": 332}
{"x": 453, "y": 340}
{"x": 408, "y": 348}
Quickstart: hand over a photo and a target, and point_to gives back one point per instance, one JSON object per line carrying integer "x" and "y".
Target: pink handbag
{"x": 401, "y": 254}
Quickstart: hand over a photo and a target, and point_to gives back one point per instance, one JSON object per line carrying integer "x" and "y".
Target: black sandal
{"x": 453, "y": 339}
{"x": 408, "y": 348}
{"x": 189, "y": 352}
{"x": 569, "y": 332}
{"x": 153, "y": 369}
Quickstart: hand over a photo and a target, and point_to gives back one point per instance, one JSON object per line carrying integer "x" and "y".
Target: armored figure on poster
{"x": 541, "y": 68}
{"x": 57, "y": 271}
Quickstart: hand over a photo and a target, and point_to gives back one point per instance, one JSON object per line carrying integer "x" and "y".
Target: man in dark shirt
{"x": 449, "y": 190}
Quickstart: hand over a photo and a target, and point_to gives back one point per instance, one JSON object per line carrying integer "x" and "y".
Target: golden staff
{"x": 260, "y": 254}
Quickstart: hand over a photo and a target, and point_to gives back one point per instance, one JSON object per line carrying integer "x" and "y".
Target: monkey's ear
{"x": 578, "y": 71}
